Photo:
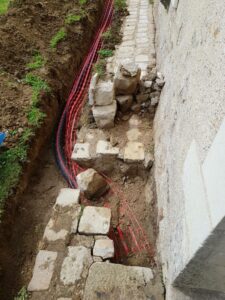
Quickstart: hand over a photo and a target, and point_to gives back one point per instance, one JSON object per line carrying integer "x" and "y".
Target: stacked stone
{"x": 73, "y": 240}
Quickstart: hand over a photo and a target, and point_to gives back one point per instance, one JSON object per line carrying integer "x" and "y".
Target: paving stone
{"x": 104, "y": 248}
{"x": 67, "y": 198}
{"x": 104, "y": 93}
{"x": 104, "y": 115}
{"x": 92, "y": 184}
{"x": 106, "y": 149}
{"x": 116, "y": 281}
{"x": 51, "y": 235}
{"x": 95, "y": 220}
{"x": 81, "y": 152}
{"x": 125, "y": 102}
{"x": 43, "y": 271}
{"x": 76, "y": 265}
{"x": 134, "y": 152}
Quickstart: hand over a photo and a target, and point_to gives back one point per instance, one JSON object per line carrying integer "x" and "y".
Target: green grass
{"x": 3, "y": 6}
{"x": 22, "y": 295}
{"x": 104, "y": 53}
{"x": 82, "y": 2}
{"x": 120, "y": 5}
{"x": 35, "y": 116}
{"x": 58, "y": 37}
{"x": 71, "y": 19}
{"x": 99, "y": 67}
{"x": 37, "y": 61}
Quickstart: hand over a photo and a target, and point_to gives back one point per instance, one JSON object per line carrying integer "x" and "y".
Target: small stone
{"x": 104, "y": 248}
{"x": 160, "y": 76}
{"x": 43, "y": 271}
{"x": 140, "y": 98}
{"x": 155, "y": 95}
{"x": 104, "y": 93}
{"x": 92, "y": 87}
{"x": 105, "y": 115}
{"x": 95, "y": 220}
{"x": 154, "y": 101}
{"x": 134, "y": 152}
{"x": 67, "y": 198}
{"x": 76, "y": 265}
{"x": 81, "y": 152}
{"x": 160, "y": 82}
{"x": 156, "y": 87}
{"x": 136, "y": 108}
{"x": 105, "y": 148}
{"x": 149, "y": 159}
{"x": 148, "y": 84}
{"x": 125, "y": 102}
{"x": 92, "y": 184}
{"x": 125, "y": 118}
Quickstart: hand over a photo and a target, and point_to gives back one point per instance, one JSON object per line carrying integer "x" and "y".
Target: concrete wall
{"x": 190, "y": 147}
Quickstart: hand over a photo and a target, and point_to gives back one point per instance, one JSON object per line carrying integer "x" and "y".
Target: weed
{"x": 82, "y": 2}
{"x": 104, "y": 53}
{"x": 100, "y": 66}
{"x": 35, "y": 116}
{"x": 58, "y": 37}
{"x": 71, "y": 19}
{"x": 120, "y": 5}
{"x": 22, "y": 295}
{"x": 3, "y": 6}
{"x": 37, "y": 62}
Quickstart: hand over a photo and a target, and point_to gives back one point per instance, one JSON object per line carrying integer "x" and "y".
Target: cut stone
{"x": 43, "y": 271}
{"x": 92, "y": 87}
{"x": 104, "y": 115}
{"x": 92, "y": 184}
{"x": 104, "y": 248}
{"x": 76, "y": 265}
{"x": 51, "y": 235}
{"x": 104, "y": 93}
{"x": 134, "y": 152}
{"x": 105, "y": 148}
{"x": 81, "y": 152}
{"x": 95, "y": 220}
{"x": 67, "y": 198}
{"x": 125, "y": 102}
{"x": 116, "y": 281}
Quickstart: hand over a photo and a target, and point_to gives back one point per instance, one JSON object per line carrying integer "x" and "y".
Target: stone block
{"x": 134, "y": 152}
{"x": 104, "y": 148}
{"x": 81, "y": 152}
{"x": 92, "y": 184}
{"x": 92, "y": 87}
{"x": 95, "y": 220}
{"x": 104, "y": 93}
{"x": 76, "y": 265}
{"x": 125, "y": 102}
{"x": 104, "y": 115}
{"x": 104, "y": 248}
{"x": 43, "y": 271}
{"x": 67, "y": 198}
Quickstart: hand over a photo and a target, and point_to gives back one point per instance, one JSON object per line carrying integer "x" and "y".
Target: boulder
{"x": 104, "y": 93}
{"x": 105, "y": 115}
{"x": 125, "y": 102}
{"x": 92, "y": 184}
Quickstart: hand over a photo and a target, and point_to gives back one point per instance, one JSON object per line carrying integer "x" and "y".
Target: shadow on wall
{"x": 166, "y": 3}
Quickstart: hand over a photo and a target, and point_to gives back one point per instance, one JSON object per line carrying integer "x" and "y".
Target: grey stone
{"x": 104, "y": 115}
{"x": 104, "y": 248}
{"x": 76, "y": 265}
{"x": 114, "y": 281}
{"x": 92, "y": 184}
{"x": 160, "y": 82}
{"x": 104, "y": 93}
{"x": 81, "y": 152}
{"x": 95, "y": 220}
{"x": 43, "y": 271}
{"x": 125, "y": 102}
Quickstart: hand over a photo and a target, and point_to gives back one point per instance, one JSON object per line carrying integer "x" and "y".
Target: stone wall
{"x": 189, "y": 147}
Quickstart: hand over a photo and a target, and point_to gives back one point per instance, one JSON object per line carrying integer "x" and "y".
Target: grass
{"x": 22, "y": 295}
{"x": 3, "y": 6}
{"x": 58, "y": 37}
{"x": 82, "y": 2}
{"x": 99, "y": 67}
{"x": 71, "y": 19}
{"x": 120, "y": 5}
{"x": 37, "y": 62}
{"x": 104, "y": 53}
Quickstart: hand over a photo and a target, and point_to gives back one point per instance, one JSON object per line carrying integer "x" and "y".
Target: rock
{"x": 104, "y": 248}
{"x": 134, "y": 152}
{"x": 125, "y": 102}
{"x": 95, "y": 220}
{"x": 160, "y": 82}
{"x": 76, "y": 265}
{"x": 156, "y": 87}
{"x": 115, "y": 281}
{"x": 140, "y": 98}
{"x": 83, "y": 240}
{"x": 97, "y": 259}
{"x": 43, "y": 271}
{"x": 147, "y": 84}
{"x": 81, "y": 152}
{"x": 92, "y": 87}
{"x": 149, "y": 159}
{"x": 104, "y": 115}
{"x": 104, "y": 93}
{"x": 92, "y": 184}
{"x": 136, "y": 108}
{"x": 160, "y": 76}
{"x": 155, "y": 95}
{"x": 152, "y": 75}
{"x": 105, "y": 148}
{"x": 127, "y": 79}
{"x": 51, "y": 235}
{"x": 154, "y": 101}
{"x": 67, "y": 198}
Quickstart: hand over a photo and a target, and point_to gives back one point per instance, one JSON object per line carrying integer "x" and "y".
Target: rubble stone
{"x": 76, "y": 265}
{"x": 134, "y": 152}
{"x": 105, "y": 148}
{"x": 104, "y": 93}
{"x": 104, "y": 115}
{"x": 92, "y": 184}
{"x": 43, "y": 271}
{"x": 104, "y": 248}
{"x": 67, "y": 198}
{"x": 125, "y": 102}
{"x": 95, "y": 220}
{"x": 81, "y": 152}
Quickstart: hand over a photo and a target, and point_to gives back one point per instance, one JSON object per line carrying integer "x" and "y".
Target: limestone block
{"x": 104, "y": 248}
{"x": 125, "y": 102}
{"x": 104, "y": 93}
{"x": 104, "y": 115}
{"x": 67, "y": 198}
{"x": 43, "y": 271}
{"x": 104, "y": 148}
{"x": 76, "y": 265}
{"x": 92, "y": 87}
{"x": 92, "y": 184}
{"x": 95, "y": 220}
{"x": 81, "y": 152}
{"x": 127, "y": 79}
{"x": 134, "y": 152}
